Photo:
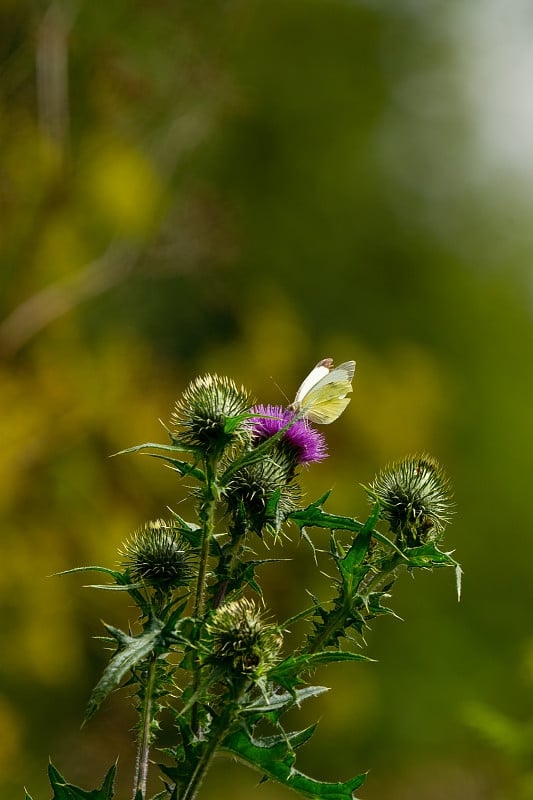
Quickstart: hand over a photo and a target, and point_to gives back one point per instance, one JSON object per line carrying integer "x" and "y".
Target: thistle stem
{"x": 216, "y": 736}
{"x": 204, "y": 763}
{"x": 231, "y": 557}
{"x": 207, "y": 518}
{"x": 379, "y": 579}
{"x": 334, "y": 624}
{"x": 143, "y": 747}
{"x": 336, "y": 620}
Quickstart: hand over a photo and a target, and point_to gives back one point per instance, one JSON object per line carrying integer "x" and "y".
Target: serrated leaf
{"x": 131, "y": 650}
{"x": 67, "y": 791}
{"x": 375, "y": 607}
{"x": 294, "y": 738}
{"x": 182, "y": 467}
{"x": 288, "y": 672}
{"x": 428, "y": 555}
{"x": 274, "y": 705}
{"x": 314, "y": 516}
{"x": 356, "y": 555}
{"x": 277, "y": 762}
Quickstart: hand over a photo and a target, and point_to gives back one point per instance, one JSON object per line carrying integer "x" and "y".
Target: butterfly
{"x": 322, "y": 397}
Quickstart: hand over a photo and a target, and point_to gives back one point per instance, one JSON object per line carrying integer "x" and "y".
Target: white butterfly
{"x": 322, "y": 396}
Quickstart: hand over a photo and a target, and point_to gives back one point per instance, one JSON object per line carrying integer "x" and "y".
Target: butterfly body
{"x": 321, "y": 397}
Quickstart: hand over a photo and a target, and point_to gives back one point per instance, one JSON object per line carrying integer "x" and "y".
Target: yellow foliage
{"x": 120, "y": 186}
{"x": 10, "y": 736}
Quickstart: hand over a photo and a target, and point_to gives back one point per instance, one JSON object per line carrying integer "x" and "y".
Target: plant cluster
{"x": 205, "y": 648}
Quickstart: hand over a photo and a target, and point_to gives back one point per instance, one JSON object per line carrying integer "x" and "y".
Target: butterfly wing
{"x": 326, "y": 402}
{"x": 317, "y": 374}
{"x": 322, "y": 395}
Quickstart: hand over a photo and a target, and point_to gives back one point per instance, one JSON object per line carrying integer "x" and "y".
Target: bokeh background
{"x": 247, "y": 186}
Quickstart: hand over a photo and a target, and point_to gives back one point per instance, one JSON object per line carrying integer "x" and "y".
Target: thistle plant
{"x": 204, "y": 646}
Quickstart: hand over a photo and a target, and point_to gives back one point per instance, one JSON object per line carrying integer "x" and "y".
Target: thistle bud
{"x": 415, "y": 499}
{"x": 264, "y": 492}
{"x": 242, "y": 642}
{"x": 208, "y": 415}
{"x": 158, "y": 555}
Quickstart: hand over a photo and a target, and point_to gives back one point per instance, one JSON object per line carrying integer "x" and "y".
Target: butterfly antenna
{"x": 278, "y": 387}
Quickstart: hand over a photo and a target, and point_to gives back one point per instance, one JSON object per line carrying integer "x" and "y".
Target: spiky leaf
{"x": 275, "y": 704}
{"x": 67, "y": 791}
{"x": 289, "y": 672}
{"x": 131, "y": 650}
{"x": 274, "y": 757}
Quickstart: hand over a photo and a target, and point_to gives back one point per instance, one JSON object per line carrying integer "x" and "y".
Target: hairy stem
{"x": 204, "y": 763}
{"x": 206, "y": 515}
{"x": 207, "y": 518}
{"x": 143, "y": 746}
{"x": 384, "y": 574}
{"x": 334, "y": 623}
{"x": 230, "y": 558}
{"x": 216, "y": 736}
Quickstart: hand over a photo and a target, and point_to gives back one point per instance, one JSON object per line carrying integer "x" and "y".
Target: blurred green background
{"x": 247, "y": 186}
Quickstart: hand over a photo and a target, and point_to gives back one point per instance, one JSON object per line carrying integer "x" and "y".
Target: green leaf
{"x": 114, "y": 574}
{"x": 273, "y": 706}
{"x": 355, "y": 556}
{"x": 314, "y": 516}
{"x": 182, "y": 467}
{"x": 274, "y": 757}
{"x": 67, "y": 791}
{"x": 428, "y": 555}
{"x": 288, "y": 672}
{"x": 193, "y": 533}
{"x": 131, "y": 650}
{"x": 232, "y": 423}
{"x": 168, "y": 448}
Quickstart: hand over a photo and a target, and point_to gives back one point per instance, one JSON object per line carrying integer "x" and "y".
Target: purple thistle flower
{"x": 305, "y": 441}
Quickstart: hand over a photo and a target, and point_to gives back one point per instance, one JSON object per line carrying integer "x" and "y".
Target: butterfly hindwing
{"x": 321, "y": 397}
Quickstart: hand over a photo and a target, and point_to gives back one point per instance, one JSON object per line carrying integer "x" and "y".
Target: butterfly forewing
{"x": 315, "y": 378}
{"x": 322, "y": 395}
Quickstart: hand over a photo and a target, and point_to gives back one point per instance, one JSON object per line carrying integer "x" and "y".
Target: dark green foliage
{"x": 274, "y": 756}
{"x": 204, "y": 648}
{"x": 66, "y": 791}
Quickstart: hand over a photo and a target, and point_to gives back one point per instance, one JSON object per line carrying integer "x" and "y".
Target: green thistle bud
{"x": 241, "y": 640}
{"x": 158, "y": 555}
{"x": 415, "y": 499}
{"x": 208, "y": 415}
{"x": 264, "y": 492}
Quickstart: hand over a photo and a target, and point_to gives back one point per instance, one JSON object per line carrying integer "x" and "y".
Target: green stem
{"x": 203, "y": 765}
{"x": 217, "y": 735}
{"x": 383, "y": 575}
{"x": 230, "y": 558}
{"x": 143, "y": 747}
{"x": 336, "y": 620}
{"x": 334, "y": 623}
{"x": 207, "y": 518}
